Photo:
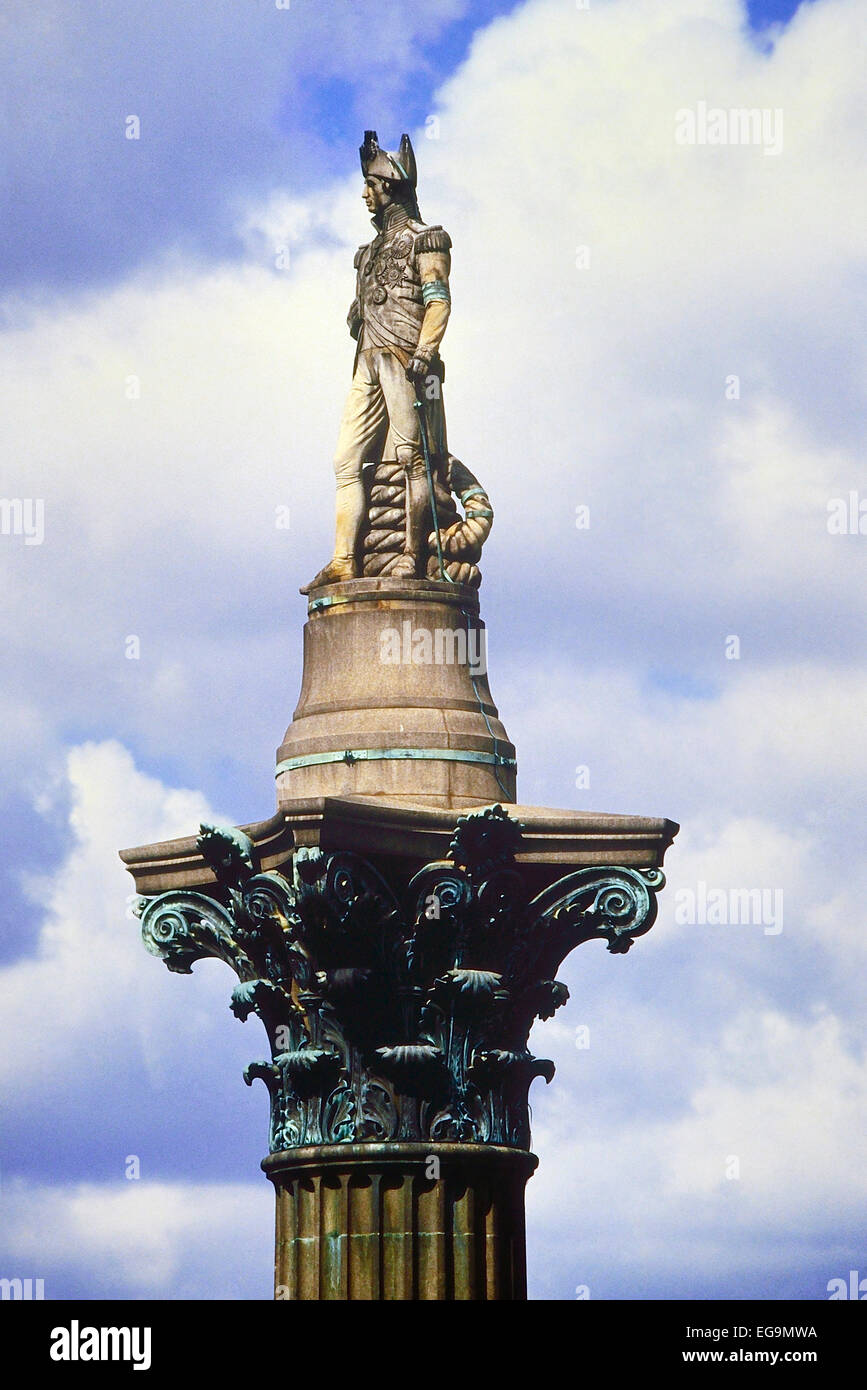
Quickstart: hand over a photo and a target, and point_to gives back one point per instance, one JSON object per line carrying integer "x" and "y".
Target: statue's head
{"x": 388, "y": 178}
{"x": 377, "y": 193}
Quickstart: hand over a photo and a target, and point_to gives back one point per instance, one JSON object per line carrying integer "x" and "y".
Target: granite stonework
{"x": 395, "y": 702}
{"x": 369, "y": 1221}
{"x": 397, "y": 927}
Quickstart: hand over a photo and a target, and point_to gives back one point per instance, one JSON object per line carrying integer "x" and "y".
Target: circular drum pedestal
{"x": 400, "y": 1221}
{"x": 395, "y": 700}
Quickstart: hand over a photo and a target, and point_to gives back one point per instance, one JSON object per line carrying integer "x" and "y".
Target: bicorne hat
{"x": 400, "y": 166}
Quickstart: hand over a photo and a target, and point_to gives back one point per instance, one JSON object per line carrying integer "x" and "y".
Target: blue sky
{"x": 153, "y": 261}
{"x": 284, "y": 112}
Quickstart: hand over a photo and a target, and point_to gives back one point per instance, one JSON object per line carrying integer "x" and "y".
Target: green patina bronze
{"x": 397, "y": 1009}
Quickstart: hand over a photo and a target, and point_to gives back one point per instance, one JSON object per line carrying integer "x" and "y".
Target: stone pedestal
{"x": 397, "y": 926}
{"x": 395, "y": 701}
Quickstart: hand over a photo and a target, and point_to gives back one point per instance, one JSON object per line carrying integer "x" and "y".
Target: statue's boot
{"x": 342, "y": 567}
{"x": 412, "y": 564}
{"x": 351, "y": 511}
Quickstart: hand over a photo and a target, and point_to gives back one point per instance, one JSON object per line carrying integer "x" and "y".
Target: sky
{"x": 666, "y": 333}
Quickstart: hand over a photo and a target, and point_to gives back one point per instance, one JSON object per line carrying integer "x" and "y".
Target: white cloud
{"x": 760, "y": 1181}
{"x": 785, "y": 1099}
{"x": 135, "y": 1239}
{"x": 783, "y": 741}
{"x": 86, "y": 999}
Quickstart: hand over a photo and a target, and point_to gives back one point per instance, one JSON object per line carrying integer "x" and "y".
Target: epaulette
{"x": 356, "y": 259}
{"x": 433, "y": 239}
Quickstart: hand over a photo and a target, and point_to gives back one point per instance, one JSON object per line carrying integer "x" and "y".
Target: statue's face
{"x": 375, "y": 195}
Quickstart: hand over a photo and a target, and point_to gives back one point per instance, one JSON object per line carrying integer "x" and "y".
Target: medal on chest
{"x": 387, "y": 266}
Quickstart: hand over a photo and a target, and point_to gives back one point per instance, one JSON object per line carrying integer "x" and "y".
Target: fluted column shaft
{"x": 373, "y": 1221}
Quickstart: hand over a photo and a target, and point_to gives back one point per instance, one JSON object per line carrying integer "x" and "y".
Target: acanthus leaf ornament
{"x": 397, "y": 1011}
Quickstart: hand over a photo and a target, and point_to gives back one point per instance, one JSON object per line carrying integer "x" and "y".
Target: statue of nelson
{"x": 398, "y": 316}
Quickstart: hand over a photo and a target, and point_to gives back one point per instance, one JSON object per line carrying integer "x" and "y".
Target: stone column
{"x": 397, "y": 1000}
{"x": 397, "y": 935}
{"x": 400, "y": 1221}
